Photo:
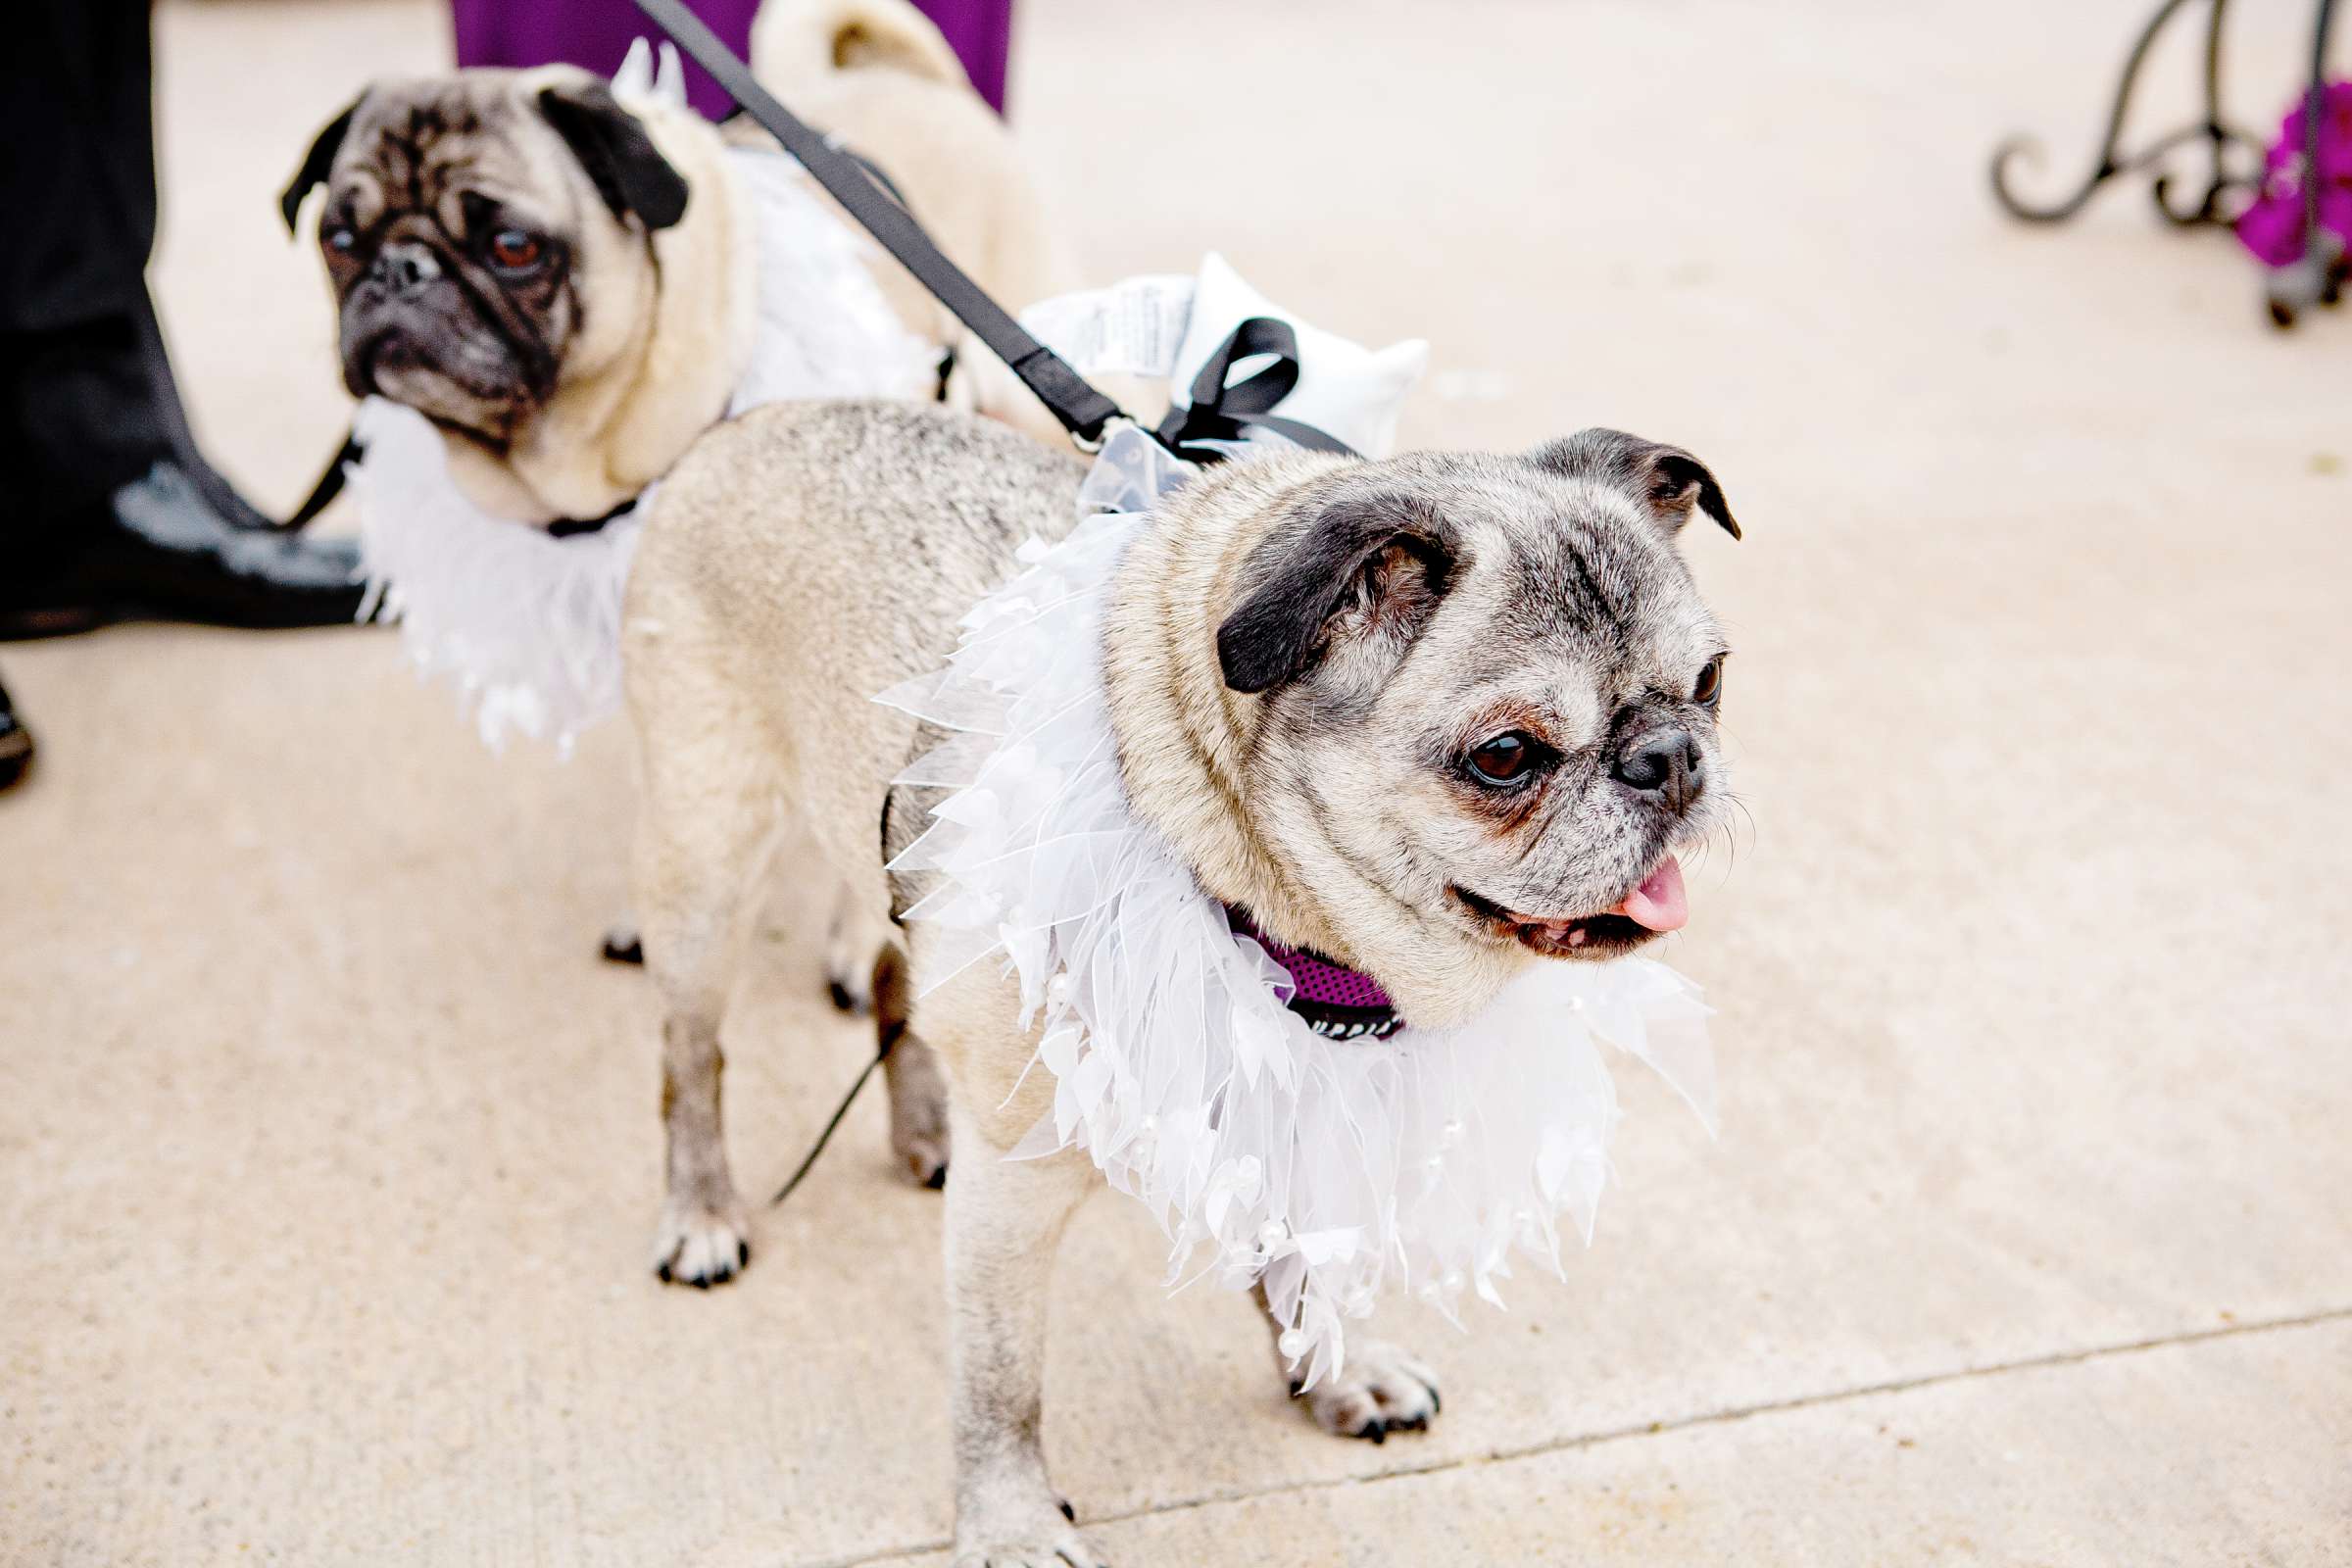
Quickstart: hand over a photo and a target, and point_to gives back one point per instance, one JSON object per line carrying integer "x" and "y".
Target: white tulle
{"x": 1330, "y": 1169}
{"x": 526, "y": 626}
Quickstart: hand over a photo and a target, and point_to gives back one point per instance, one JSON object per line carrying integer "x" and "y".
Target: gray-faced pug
{"x": 1439, "y": 717}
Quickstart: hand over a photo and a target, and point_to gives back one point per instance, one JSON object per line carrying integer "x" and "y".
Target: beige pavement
{"x": 328, "y": 1152}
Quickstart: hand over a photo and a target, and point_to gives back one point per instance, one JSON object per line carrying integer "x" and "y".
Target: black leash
{"x": 329, "y": 485}
{"x": 890, "y": 1027}
{"x": 826, "y": 1137}
{"x": 337, "y": 473}
{"x": 1082, "y": 410}
{"x": 1217, "y": 412}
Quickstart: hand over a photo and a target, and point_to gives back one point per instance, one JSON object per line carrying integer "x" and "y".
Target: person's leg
{"x": 113, "y": 513}
{"x": 75, "y": 397}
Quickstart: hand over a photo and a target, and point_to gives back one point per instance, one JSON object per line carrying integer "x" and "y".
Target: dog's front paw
{"x": 1051, "y": 1544}
{"x": 1379, "y": 1391}
{"x": 701, "y": 1244}
{"x": 1015, "y": 1521}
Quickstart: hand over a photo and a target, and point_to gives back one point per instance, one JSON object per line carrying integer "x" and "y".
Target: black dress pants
{"x": 85, "y": 396}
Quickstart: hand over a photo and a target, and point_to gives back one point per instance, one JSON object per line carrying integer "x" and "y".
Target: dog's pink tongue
{"x": 1658, "y": 904}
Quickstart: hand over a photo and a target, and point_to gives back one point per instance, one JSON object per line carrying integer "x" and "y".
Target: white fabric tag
{"x": 1130, "y": 328}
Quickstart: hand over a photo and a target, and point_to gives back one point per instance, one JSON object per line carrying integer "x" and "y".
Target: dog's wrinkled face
{"x": 486, "y": 232}
{"x": 1491, "y": 691}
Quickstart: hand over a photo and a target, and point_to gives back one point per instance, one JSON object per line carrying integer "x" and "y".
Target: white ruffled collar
{"x": 1329, "y": 1169}
{"x": 526, "y": 625}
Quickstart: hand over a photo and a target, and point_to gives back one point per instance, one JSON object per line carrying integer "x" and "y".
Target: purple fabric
{"x": 981, "y": 34}
{"x": 590, "y": 34}
{"x": 596, "y": 33}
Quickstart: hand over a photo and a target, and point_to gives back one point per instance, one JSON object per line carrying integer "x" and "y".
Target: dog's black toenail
{"x": 662, "y": 1271}
{"x": 629, "y": 951}
{"x": 1374, "y": 1432}
{"x": 701, "y": 1282}
{"x": 743, "y": 1254}
{"x": 841, "y": 996}
{"x": 1068, "y": 1512}
{"x": 936, "y": 1181}
{"x": 1436, "y": 1407}
{"x": 1297, "y": 1388}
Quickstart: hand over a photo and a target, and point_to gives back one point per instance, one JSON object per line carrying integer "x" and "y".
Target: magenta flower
{"x": 2271, "y": 226}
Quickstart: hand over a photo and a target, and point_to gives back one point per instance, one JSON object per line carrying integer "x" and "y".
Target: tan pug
{"x": 565, "y": 283}
{"x": 1437, "y": 718}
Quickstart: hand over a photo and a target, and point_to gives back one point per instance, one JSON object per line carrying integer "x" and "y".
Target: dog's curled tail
{"x": 795, "y": 41}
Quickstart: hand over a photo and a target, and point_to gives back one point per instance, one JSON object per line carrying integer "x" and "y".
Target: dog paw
{"x": 918, "y": 1113}
{"x": 1057, "y": 1546}
{"x": 852, "y": 992}
{"x": 622, "y": 944}
{"x": 1068, "y": 1552}
{"x": 1019, "y": 1523}
{"x": 700, "y": 1246}
{"x": 1379, "y": 1391}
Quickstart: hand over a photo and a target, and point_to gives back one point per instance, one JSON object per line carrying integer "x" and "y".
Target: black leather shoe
{"x": 16, "y": 742}
{"x": 160, "y": 550}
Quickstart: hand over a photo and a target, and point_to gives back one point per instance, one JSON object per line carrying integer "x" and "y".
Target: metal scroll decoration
{"x": 2233, "y": 159}
{"x": 2232, "y": 165}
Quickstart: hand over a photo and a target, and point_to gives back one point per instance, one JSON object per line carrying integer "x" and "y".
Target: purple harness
{"x": 1337, "y": 1002}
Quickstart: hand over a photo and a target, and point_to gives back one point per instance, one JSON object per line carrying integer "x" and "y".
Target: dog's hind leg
{"x": 1380, "y": 1387}
{"x": 713, "y": 813}
{"x": 1005, "y": 1223}
{"x": 918, "y": 1089}
{"x": 622, "y": 944}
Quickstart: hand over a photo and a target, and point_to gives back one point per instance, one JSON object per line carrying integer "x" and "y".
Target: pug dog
{"x": 1438, "y": 718}
{"x": 565, "y": 284}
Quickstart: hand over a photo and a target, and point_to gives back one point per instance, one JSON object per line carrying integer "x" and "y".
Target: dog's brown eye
{"x": 513, "y": 248}
{"x": 1709, "y": 685}
{"x": 1504, "y": 759}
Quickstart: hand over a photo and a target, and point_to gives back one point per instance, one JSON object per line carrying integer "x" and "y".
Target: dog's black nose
{"x": 1665, "y": 765}
{"x": 404, "y": 265}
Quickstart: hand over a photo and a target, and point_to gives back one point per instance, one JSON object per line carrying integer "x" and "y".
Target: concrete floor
{"x": 328, "y": 1152}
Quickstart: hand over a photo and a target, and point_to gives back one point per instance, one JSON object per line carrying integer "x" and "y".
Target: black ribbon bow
{"x": 1221, "y": 410}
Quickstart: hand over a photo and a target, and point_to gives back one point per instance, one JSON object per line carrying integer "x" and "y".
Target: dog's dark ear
{"x": 317, "y": 163}
{"x": 1386, "y": 560}
{"x": 1669, "y": 481}
{"x": 629, "y": 172}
